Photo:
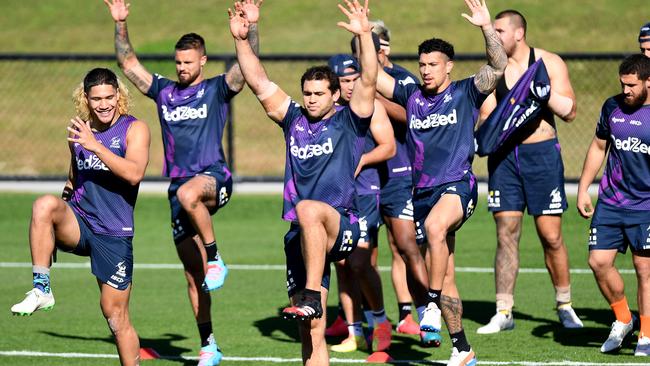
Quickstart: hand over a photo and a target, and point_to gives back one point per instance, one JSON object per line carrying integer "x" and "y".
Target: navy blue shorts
{"x": 369, "y": 218}
{"x": 619, "y": 228}
{"x": 346, "y": 242}
{"x": 182, "y": 227}
{"x": 111, "y": 257}
{"x": 425, "y": 198}
{"x": 396, "y": 198}
{"x": 531, "y": 175}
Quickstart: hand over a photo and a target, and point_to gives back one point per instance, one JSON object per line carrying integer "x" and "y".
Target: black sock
{"x": 364, "y": 303}
{"x": 205, "y": 331}
{"x": 311, "y": 293}
{"x": 212, "y": 252}
{"x": 459, "y": 341}
{"x": 404, "y": 309}
{"x": 434, "y": 296}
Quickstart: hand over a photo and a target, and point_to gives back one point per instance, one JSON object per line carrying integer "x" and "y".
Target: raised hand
{"x": 238, "y": 23}
{"x": 357, "y": 15}
{"x": 250, "y": 9}
{"x": 82, "y": 134}
{"x": 480, "y": 13}
{"x": 119, "y": 9}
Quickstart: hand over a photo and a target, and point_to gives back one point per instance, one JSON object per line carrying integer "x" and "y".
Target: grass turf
{"x": 249, "y": 231}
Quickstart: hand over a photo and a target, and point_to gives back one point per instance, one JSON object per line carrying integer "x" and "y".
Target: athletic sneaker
{"x": 210, "y": 355}
{"x": 338, "y": 329}
{"x": 465, "y": 358}
{"x": 430, "y": 339}
{"x": 351, "y": 344}
{"x": 382, "y": 336}
{"x": 35, "y": 300}
{"x": 408, "y": 326}
{"x": 430, "y": 321}
{"x": 619, "y": 331}
{"x": 306, "y": 308}
{"x": 215, "y": 275}
{"x": 568, "y": 317}
{"x": 499, "y": 322}
{"x": 642, "y": 347}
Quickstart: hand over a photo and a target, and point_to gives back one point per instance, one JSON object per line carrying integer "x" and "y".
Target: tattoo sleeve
{"x": 488, "y": 76}
{"x": 452, "y": 312}
{"x": 236, "y": 78}
{"x": 123, "y": 48}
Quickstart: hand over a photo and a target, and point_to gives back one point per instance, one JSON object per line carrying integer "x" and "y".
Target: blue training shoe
{"x": 215, "y": 276}
{"x": 210, "y": 355}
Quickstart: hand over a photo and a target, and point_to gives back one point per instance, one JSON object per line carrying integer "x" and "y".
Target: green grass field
{"x": 249, "y": 232}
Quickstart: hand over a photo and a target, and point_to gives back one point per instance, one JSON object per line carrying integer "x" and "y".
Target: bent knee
{"x": 308, "y": 211}
{"x": 187, "y": 196}
{"x": 44, "y": 206}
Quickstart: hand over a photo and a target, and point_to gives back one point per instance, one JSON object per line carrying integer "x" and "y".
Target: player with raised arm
{"x": 323, "y": 147}
{"x": 193, "y": 113}
{"x": 441, "y": 117}
{"x": 528, "y": 172}
{"x": 94, "y": 218}
{"x": 356, "y": 275}
{"x": 622, "y": 215}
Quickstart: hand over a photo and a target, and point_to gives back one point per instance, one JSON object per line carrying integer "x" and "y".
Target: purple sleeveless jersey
{"x": 103, "y": 200}
{"x": 321, "y": 158}
{"x": 440, "y": 130}
{"x": 192, "y": 120}
{"x": 626, "y": 180}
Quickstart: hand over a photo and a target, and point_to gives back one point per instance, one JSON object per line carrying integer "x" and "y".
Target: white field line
{"x": 281, "y": 267}
{"x": 298, "y": 360}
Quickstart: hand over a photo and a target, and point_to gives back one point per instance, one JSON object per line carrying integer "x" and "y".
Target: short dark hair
{"x": 321, "y": 73}
{"x": 516, "y": 18}
{"x": 99, "y": 76}
{"x": 638, "y": 64}
{"x": 436, "y": 44}
{"x": 191, "y": 41}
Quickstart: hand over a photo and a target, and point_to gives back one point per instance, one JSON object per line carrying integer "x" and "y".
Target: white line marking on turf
{"x": 298, "y": 360}
{"x": 281, "y": 267}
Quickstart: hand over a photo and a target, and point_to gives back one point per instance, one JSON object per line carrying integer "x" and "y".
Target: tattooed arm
{"x": 250, "y": 10}
{"x": 124, "y": 52}
{"x": 487, "y": 77}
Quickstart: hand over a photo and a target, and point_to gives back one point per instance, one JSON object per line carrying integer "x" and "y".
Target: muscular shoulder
{"x": 138, "y": 128}
{"x": 551, "y": 60}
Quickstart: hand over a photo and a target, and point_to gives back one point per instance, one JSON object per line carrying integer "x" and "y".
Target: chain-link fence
{"x": 36, "y": 107}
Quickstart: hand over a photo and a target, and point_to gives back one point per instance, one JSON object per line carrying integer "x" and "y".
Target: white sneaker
{"x": 431, "y": 321}
{"x": 35, "y": 300}
{"x": 619, "y": 331}
{"x": 498, "y": 322}
{"x": 465, "y": 358}
{"x": 642, "y": 347}
{"x": 568, "y": 317}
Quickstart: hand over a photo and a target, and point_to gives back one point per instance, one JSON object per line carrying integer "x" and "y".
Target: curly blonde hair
{"x": 99, "y": 76}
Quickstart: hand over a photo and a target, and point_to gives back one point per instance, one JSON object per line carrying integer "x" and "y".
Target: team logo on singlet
{"x": 310, "y": 150}
{"x": 631, "y": 144}
{"x": 184, "y": 113}
{"x": 115, "y": 143}
{"x": 434, "y": 120}
{"x": 92, "y": 162}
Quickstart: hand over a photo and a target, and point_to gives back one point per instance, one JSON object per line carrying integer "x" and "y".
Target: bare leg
{"x": 197, "y": 196}
{"x": 115, "y": 307}
{"x": 312, "y": 336}
{"x": 608, "y": 278}
{"x": 53, "y": 222}
{"x": 506, "y": 260}
{"x": 549, "y": 229}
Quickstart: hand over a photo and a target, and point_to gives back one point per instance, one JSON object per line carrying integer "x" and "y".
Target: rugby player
{"x": 94, "y": 218}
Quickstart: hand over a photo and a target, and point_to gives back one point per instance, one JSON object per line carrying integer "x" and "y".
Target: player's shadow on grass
{"x": 278, "y": 329}
{"x": 589, "y": 336}
{"x": 163, "y": 346}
